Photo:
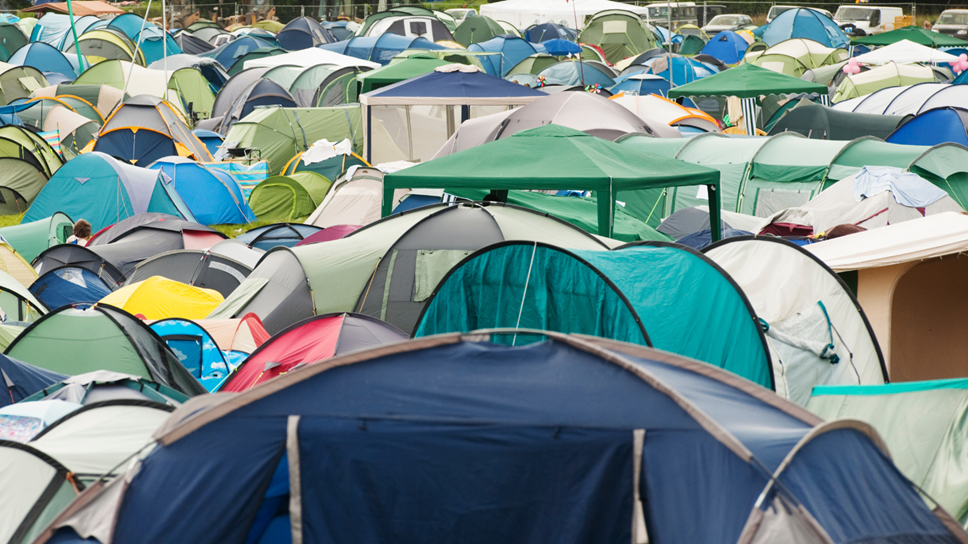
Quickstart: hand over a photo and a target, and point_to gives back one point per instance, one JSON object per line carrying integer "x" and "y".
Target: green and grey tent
{"x": 77, "y": 340}
{"x": 288, "y": 198}
{"x": 924, "y": 424}
{"x": 19, "y": 82}
{"x": 402, "y": 69}
{"x": 31, "y": 239}
{"x": 28, "y": 162}
{"x": 915, "y": 34}
{"x": 477, "y": 29}
{"x": 326, "y": 85}
{"x": 816, "y": 330}
{"x": 555, "y": 157}
{"x": 619, "y": 33}
{"x": 388, "y": 268}
{"x": 36, "y": 488}
{"x": 653, "y": 294}
{"x": 17, "y": 303}
{"x": 532, "y": 65}
{"x": 820, "y": 122}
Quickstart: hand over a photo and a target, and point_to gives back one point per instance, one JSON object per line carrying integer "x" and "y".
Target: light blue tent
{"x": 571, "y": 73}
{"x": 210, "y": 138}
{"x": 104, "y": 190}
{"x": 197, "y": 351}
{"x": 458, "y": 438}
{"x": 55, "y": 29}
{"x": 805, "y": 23}
{"x": 380, "y": 49}
{"x": 45, "y": 58}
{"x": 512, "y": 51}
{"x": 933, "y": 127}
{"x": 153, "y": 39}
{"x": 726, "y": 46}
{"x": 655, "y": 294}
{"x": 642, "y": 84}
{"x": 212, "y": 195}
{"x": 679, "y": 70}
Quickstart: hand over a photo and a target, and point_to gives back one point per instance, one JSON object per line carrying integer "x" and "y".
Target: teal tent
{"x": 655, "y": 294}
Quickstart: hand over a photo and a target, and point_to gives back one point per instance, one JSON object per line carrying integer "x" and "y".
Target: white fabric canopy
{"x": 934, "y": 236}
{"x": 905, "y": 52}
{"x": 310, "y": 57}
{"x": 524, "y": 13}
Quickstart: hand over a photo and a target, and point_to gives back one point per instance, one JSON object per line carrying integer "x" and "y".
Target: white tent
{"x": 33, "y": 489}
{"x": 356, "y": 198}
{"x": 905, "y": 52}
{"x": 309, "y": 57}
{"x": 815, "y": 332}
{"x": 663, "y": 110}
{"x": 524, "y": 13}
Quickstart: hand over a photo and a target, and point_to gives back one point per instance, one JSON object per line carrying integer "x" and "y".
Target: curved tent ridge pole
{"x": 80, "y": 60}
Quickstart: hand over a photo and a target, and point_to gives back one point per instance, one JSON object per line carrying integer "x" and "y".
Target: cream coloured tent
{"x": 524, "y": 13}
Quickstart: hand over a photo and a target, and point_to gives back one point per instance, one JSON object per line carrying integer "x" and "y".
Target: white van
{"x": 863, "y": 20}
{"x": 683, "y": 13}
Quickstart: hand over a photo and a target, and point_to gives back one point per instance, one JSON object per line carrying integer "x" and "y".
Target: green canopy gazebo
{"x": 915, "y": 34}
{"x": 555, "y": 157}
{"x": 748, "y": 82}
{"x": 398, "y": 70}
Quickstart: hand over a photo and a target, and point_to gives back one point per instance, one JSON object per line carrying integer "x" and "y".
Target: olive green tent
{"x": 795, "y": 56}
{"x": 619, "y": 33}
{"x": 915, "y": 34}
{"x": 194, "y": 90}
{"x": 18, "y": 82}
{"x": 556, "y": 157}
{"x": 477, "y": 29}
{"x": 288, "y": 198}
{"x": 31, "y": 239}
{"x": 276, "y": 134}
{"x": 413, "y": 66}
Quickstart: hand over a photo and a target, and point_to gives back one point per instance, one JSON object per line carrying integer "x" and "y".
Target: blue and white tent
{"x": 512, "y": 51}
{"x": 454, "y": 437}
{"x": 726, "y": 46}
{"x": 196, "y": 350}
{"x": 212, "y": 195}
{"x": 45, "y": 58}
{"x": 804, "y": 23}
{"x": 380, "y": 49}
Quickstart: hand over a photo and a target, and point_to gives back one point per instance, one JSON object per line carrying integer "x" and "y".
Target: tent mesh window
{"x": 770, "y": 201}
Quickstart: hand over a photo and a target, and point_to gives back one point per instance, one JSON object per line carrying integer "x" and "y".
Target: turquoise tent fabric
{"x": 684, "y": 303}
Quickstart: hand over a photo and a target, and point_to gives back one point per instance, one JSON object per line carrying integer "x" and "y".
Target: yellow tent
{"x": 161, "y": 298}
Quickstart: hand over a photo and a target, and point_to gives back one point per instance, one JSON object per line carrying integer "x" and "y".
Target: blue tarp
{"x": 212, "y": 195}
{"x": 532, "y": 441}
{"x": 456, "y": 84}
{"x": 934, "y": 127}
{"x": 19, "y": 380}
{"x": 512, "y": 51}
{"x": 69, "y": 285}
{"x": 380, "y": 49}
{"x": 726, "y": 46}
{"x": 805, "y": 23}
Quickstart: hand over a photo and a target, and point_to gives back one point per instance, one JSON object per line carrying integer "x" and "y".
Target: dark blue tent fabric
{"x": 338, "y": 29}
{"x": 303, "y": 33}
{"x": 67, "y": 285}
{"x": 933, "y": 127}
{"x": 212, "y": 195}
{"x": 43, "y": 57}
{"x": 642, "y": 84}
{"x": 512, "y": 51}
{"x": 267, "y": 237}
{"x": 703, "y": 238}
{"x": 549, "y": 31}
{"x": 561, "y": 48}
{"x": 726, "y": 46}
{"x": 571, "y": 73}
{"x": 20, "y": 380}
{"x": 228, "y": 54}
{"x": 140, "y": 147}
{"x": 456, "y": 84}
{"x": 380, "y": 49}
{"x": 517, "y": 438}
{"x": 805, "y": 23}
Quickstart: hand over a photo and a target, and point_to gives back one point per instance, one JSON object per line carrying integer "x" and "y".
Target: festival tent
{"x": 676, "y": 69}
{"x": 330, "y": 233}
{"x": 230, "y": 92}
{"x": 907, "y": 284}
{"x": 524, "y": 13}
{"x": 921, "y": 423}
{"x": 642, "y": 84}
{"x": 101, "y": 44}
{"x": 194, "y": 86}
{"x": 355, "y": 199}
{"x": 303, "y": 33}
{"x": 816, "y": 331}
{"x": 428, "y": 26}
{"x": 104, "y": 385}
{"x": 820, "y": 122}
{"x": 32, "y": 238}
{"x": 521, "y": 416}
{"x": 241, "y": 335}
{"x": 18, "y": 82}
{"x": 412, "y": 119}
{"x": 276, "y": 135}
{"x": 74, "y": 129}
{"x": 882, "y": 77}
{"x": 530, "y": 285}
{"x": 396, "y": 72}
{"x": 228, "y": 54}
{"x": 909, "y": 99}
{"x": 308, "y": 342}
{"x": 28, "y": 161}
{"x": 554, "y": 157}
{"x": 81, "y": 187}
{"x": 933, "y": 127}
{"x": 22, "y": 380}
{"x": 905, "y": 52}
{"x": 11, "y": 39}
{"x": 414, "y": 249}
{"x": 288, "y": 198}
{"x": 573, "y": 73}
{"x": 262, "y": 93}
{"x": 805, "y": 23}
{"x": 253, "y": 56}
{"x": 619, "y": 32}
{"x": 914, "y": 34}
{"x": 43, "y": 57}
{"x": 55, "y": 28}
{"x": 531, "y": 65}
{"x": 101, "y": 337}
{"x": 76, "y": 256}
{"x": 380, "y": 49}
{"x": 274, "y": 235}
{"x": 44, "y": 488}
{"x": 542, "y": 32}
{"x": 796, "y": 56}
{"x": 197, "y": 351}
{"x": 341, "y": 30}
{"x": 874, "y": 197}
{"x": 311, "y": 57}
{"x": 210, "y": 269}
{"x": 133, "y": 79}
{"x": 509, "y": 51}
{"x": 212, "y": 195}
{"x": 95, "y": 102}
{"x": 191, "y": 44}
{"x": 150, "y": 39}
{"x": 17, "y": 303}
{"x": 692, "y": 221}
{"x": 666, "y": 111}
{"x": 211, "y": 139}
{"x": 478, "y": 30}
{"x": 726, "y": 46}
{"x": 146, "y": 128}
{"x": 325, "y": 85}
{"x": 69, "y": 285}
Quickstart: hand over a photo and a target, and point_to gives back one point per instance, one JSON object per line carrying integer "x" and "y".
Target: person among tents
{"x": 82, "y": 232}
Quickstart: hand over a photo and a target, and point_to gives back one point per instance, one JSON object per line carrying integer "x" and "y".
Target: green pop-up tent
{"x": 915, "y": 34}
{"x": 555, "y": 157}
{"x": 749, "y": 82}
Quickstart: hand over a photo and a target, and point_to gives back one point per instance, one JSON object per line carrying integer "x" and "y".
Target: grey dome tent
{"x": 202, "y": 268}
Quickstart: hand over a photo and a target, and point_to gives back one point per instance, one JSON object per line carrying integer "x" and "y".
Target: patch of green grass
{"x": 11, "y": 220}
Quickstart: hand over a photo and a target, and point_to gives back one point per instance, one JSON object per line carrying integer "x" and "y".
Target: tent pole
{"x": 77, "y": 47}
{"x": 715, "y": 223}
